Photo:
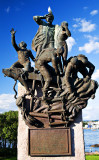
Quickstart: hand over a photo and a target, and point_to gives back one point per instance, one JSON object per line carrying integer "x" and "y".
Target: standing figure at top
{"x": 44, "y": 37}
{"x": 49, "y": 35}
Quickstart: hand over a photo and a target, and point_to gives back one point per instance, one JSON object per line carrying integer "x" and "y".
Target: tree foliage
{"x": 8, "y": 128}
{"x": 84, "y": 123}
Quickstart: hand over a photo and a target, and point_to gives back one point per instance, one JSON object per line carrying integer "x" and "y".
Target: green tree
{"x": 2, "y": 135}
{"x": 9, "y": 127}
{"x": 84, "y": 123}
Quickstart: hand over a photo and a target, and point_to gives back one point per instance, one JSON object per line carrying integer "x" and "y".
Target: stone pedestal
{"x": 77, "y": 141}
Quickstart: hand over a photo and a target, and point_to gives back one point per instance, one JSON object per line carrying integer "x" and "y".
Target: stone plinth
{"x": 76, "y": 138}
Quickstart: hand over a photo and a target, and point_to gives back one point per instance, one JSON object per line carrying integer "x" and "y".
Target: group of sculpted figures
{"x": 60, "y": 82}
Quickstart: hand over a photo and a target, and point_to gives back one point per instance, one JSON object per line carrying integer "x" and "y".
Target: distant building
{"x": 92, "y": 125}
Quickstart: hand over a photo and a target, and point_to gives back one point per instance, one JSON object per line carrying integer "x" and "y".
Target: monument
{"x": 51, "y": 97}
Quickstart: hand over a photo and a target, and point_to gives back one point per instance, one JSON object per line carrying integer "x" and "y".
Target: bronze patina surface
{"x": 57, "y": 92}
{"x": 54, "y": 92}
{"x": 49, "y": 142}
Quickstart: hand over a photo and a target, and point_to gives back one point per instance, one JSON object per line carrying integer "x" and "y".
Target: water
{"x": 91, "y": 137}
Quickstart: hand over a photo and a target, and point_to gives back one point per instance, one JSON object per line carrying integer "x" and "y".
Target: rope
{"x": 15, "y": 89}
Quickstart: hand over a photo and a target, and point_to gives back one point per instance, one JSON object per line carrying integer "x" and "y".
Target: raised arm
{"x": 13, "y": 40}
{"x": 38, "y": 19}
{"x": 65, "y": 29}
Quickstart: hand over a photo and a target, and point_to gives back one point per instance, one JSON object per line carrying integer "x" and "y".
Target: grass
{"x": 88, "y": 157}
{"x": 92, "y": 157}
{"x": 11, "y": 158}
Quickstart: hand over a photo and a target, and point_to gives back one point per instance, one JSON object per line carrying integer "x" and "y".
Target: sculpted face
{"x": 22, "y": 44}
{"x": 50, "y": 19}
{"x": 64, "y": 24}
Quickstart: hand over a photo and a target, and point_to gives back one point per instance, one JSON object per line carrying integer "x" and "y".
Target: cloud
{"x": 95, "y": 75}
{"x": 85, "y": 8}
{"x": 91, "y": 46}
{"x": 91, "y": 112}
{"x": 70, "y": 42}
{"x": 77, "y": 19}
{"x": 91, "y": 37}
{"x": 94, "y": 12}
{"x": 7, "y": 9}
{"x": 84, "y": 26}
{"x": 75, "y": 25}
{"x": 7, "y": 102}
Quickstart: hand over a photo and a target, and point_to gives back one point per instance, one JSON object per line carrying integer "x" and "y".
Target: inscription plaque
{"x": 49, "y": 142}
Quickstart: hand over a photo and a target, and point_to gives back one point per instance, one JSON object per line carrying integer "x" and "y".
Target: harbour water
{"x": 91, "y": 137}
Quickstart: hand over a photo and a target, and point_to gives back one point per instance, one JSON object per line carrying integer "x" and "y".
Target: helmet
{"x": 49, "y": 16}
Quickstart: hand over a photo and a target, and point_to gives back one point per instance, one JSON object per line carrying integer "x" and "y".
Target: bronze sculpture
{"x": 64, "y": 93}
{"x": 49, "y": 38}
{"x": 19, "y": 69}
{"x": 47, "y": 55}
{"x": 44, "y": 37}
{"x": 23, "y": 54}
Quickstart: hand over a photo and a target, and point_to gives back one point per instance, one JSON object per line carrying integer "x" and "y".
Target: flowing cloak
{"x": 43, "y": 37}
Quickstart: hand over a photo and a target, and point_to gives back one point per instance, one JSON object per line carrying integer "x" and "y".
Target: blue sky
{"x": 83, "y": 19}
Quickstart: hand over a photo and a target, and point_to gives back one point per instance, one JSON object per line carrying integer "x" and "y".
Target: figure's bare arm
{"x": 68, "y": 32}
{"x": 13, "y": 40}
{"x": 38, "y": 19}
{"x": 69, "y": 71}
{"x": 65, "y": 29}
{"x": 31, "y": 56}
{"x": 83, "y": 70}
{"x": 91, "y": 68}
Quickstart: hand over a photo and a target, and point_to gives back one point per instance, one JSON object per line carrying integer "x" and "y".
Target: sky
{"x": 83, "y": 19}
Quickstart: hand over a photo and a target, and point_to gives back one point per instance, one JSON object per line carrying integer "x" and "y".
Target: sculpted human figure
{"x": 73, "y": 67}
{"x": 87, "y": 64}
{"x": 46, "y": 56}
{"x": 49, "y": 40}
{"x": 49, "y": 35}
{"x": 61, "y": 35}
{"x": 44, "y": 37}
{"x": 24, "y": 54}
{"x": 80, "y": 64}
